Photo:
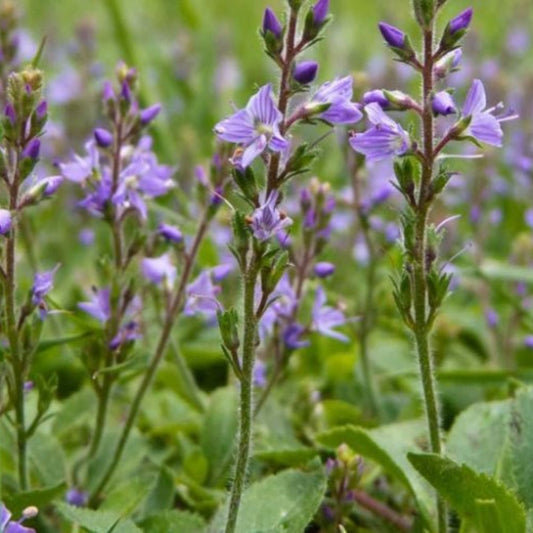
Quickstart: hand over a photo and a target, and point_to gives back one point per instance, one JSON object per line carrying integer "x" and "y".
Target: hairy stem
{"x": 421, "y": 327}
{"x": 175, "y": 307}
{"x": 246, "y": 383}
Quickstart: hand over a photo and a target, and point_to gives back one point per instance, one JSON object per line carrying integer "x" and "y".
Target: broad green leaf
{"x": 173, "y": 522}
{"x": 162, "y": 494}
{"x": 521, "y": 444}
{"x": 219, "y": 431}
{"x": 47, "y": 458}
{"x": 487, "y": 517}
{"x": 461, "y": 487}
{"x": 38, "y": 497}
{"x": 283, "y": 503}
{"x": 96, "y": 521}
{"x": 478, "y": 436}
{"x": 388, "y": 446}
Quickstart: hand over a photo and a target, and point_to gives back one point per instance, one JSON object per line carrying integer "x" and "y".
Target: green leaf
{"x": 96, "y": 521}
{"x": 218, "y": 433}
{"x": 478, "y": 436}
{"x": 388, "y": 446}
{"x": 462, "y": 488}
{"x": 127, "y": 495}
{"x": 173, "y": 522}
{"x": 487, "y": 516}
{"x": 47, "y": 458}
{"x": 521, "y": 444}
{"x": 38, "y": 497}
{"x": 47, "y": 344}
{"x": 284, "y": 503}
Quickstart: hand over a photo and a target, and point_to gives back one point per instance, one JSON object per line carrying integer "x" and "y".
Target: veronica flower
{"x": 10, "y": 526}
{"x": 292, "y": 337}
{"x": 99, "y": 306}
{"x": 159, "y": 270}
{"x": 256, "y": 127}
{"x": 484, "y": 126}
{"x": 338, "y": 94}
{"x": 259, "y": 374}
{"x": 384, "y": 140}
{"x": 170, "y": 233}
{"x": 5, "y": 221}
{"x": 202, "y": 296}
{"x": 127, "y": 333}
{"x": 443, "y": 104}
{"x": 326, "y": 318}
{"x": 82, "y": 167}
{"x": 267, "y": 220}
{"x": 43, "y": 283}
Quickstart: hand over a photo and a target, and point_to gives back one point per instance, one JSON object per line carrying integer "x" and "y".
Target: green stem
{"x": 245, "y": 415}
{"x": 421, "y": 328}
{"x": 175, "y": 308}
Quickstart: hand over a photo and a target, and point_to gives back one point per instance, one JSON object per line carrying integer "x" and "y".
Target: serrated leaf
{"x": 461, "y": 487}
{"x": 96, "y": 521}
{"x": 173, "y": 522}
{"x": 38, "y": 497}
{"x": 387, "y": 446}
{"x": 283, "y": 503}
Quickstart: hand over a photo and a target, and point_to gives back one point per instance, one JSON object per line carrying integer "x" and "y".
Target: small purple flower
{"x": 392, "y": 35}
{"x": 170, "y": 233}
{"x": 103, "y": 138}
{"x": 5, "y": 221}
{"x": 77, "y": 497}
{"x": 443, "y": 104}
{"x": 86, "y": 236}
{"x": 326, "y": 318}
{"x": 271, "y": 23}
{"x": 259, "y": 374}
{"x": 305, "y": 72}
{"x": 338, "y": 94}
{"x": 484, "y": 126}
{"x": 384, "y": 140}
{"x": 320, "y": 12}
{"x": 41, "y": 110}
{"x": 324, "y": 269}
{"x": 256, "y": 127}
{"x": 147, "y": 115}
{"x": 32, "y": 149}
{"x": 267, "y": 220}
{"x": 127, "y": 333}
{"x": 528, "y": 342}
{"x": 461, "y": 21}
{"x": 10, "y": 526}
{"x": 529, "y": 217}
{"x": 52, "y": 184}
{"x": 99, "y": 306}
{"x": 43, "y": 283}
{"x": 202, "y": 296}
{"x": 221, "y": 272}
{"x": 292, "y": 337}
{"x": 159, "y": 270}
{"x": 82, "y": 167}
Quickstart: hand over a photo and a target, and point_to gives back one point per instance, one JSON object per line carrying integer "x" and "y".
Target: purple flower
{"x": 484, "y": 126}
{"x": 5, "y": 221}
{"x": 52, "y": 184}
{"x": 271, "y": 23}
{"x": 393, "y": 36}
{"x": 385, "y": 139}
{"x": 267, "y": 220}
{"x": 529, "y": 217}
{"x": 324, "y": 269}
{"x": 82, "y": 167}
{"x": 443, "y": 104}
{"x": 32, "y": 149}
{"x": 202, "y": 296}
{"x": 528, "y": 342}
{"x": 325, "y": 317}
{"x": 220, "y": 272}
{"x": 256, "y": 127}
{"x": 43, "y": 283}
{"x": 9, "y": 526}
{"x": 147, "y": 115}
{"x": 86, "y": 236}
{"x": 127, "y": 333}
{"x": 170, "y": 233}
{"x": 77, "y": 497}
{"x": 99, "y": 306}
{"x": 259, "y": 374}
{"x": 9, "y": 112}
{"x": 103, "y": 137}
{"x": 159, "y": 270}
{"x": 320, "y": 12}
{"x": 338, "y": 94}
{"x": 41, "y": 110}
{"x": 491, "y": 316}
{"x": 305, "y": 72}
{"x": 461, "y": 21}
{"x": 292, "y": 337}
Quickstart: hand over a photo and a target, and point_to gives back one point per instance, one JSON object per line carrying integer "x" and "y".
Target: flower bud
{"x": 378, "y": 97}
{"x": 41, "y": 110}
{"x": 147, "y": 115}
{"x": 392, "y": 35}
{"x": 32, "y": 149}
{"x": 443, "y": 104}
{"x": 324, "y": 269}
{"x": 461, "y": 21}
{"x": 103, "y": 138}
{"x": 170, "y": 233}
{"x": 5, "y": 221}
{"x": 271, "y": 23}
{"x": 320, "y": 12}
{"x": 305, "y": 72}
{"x": 448, "y": 63}
{"x": 400, "y": 101}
